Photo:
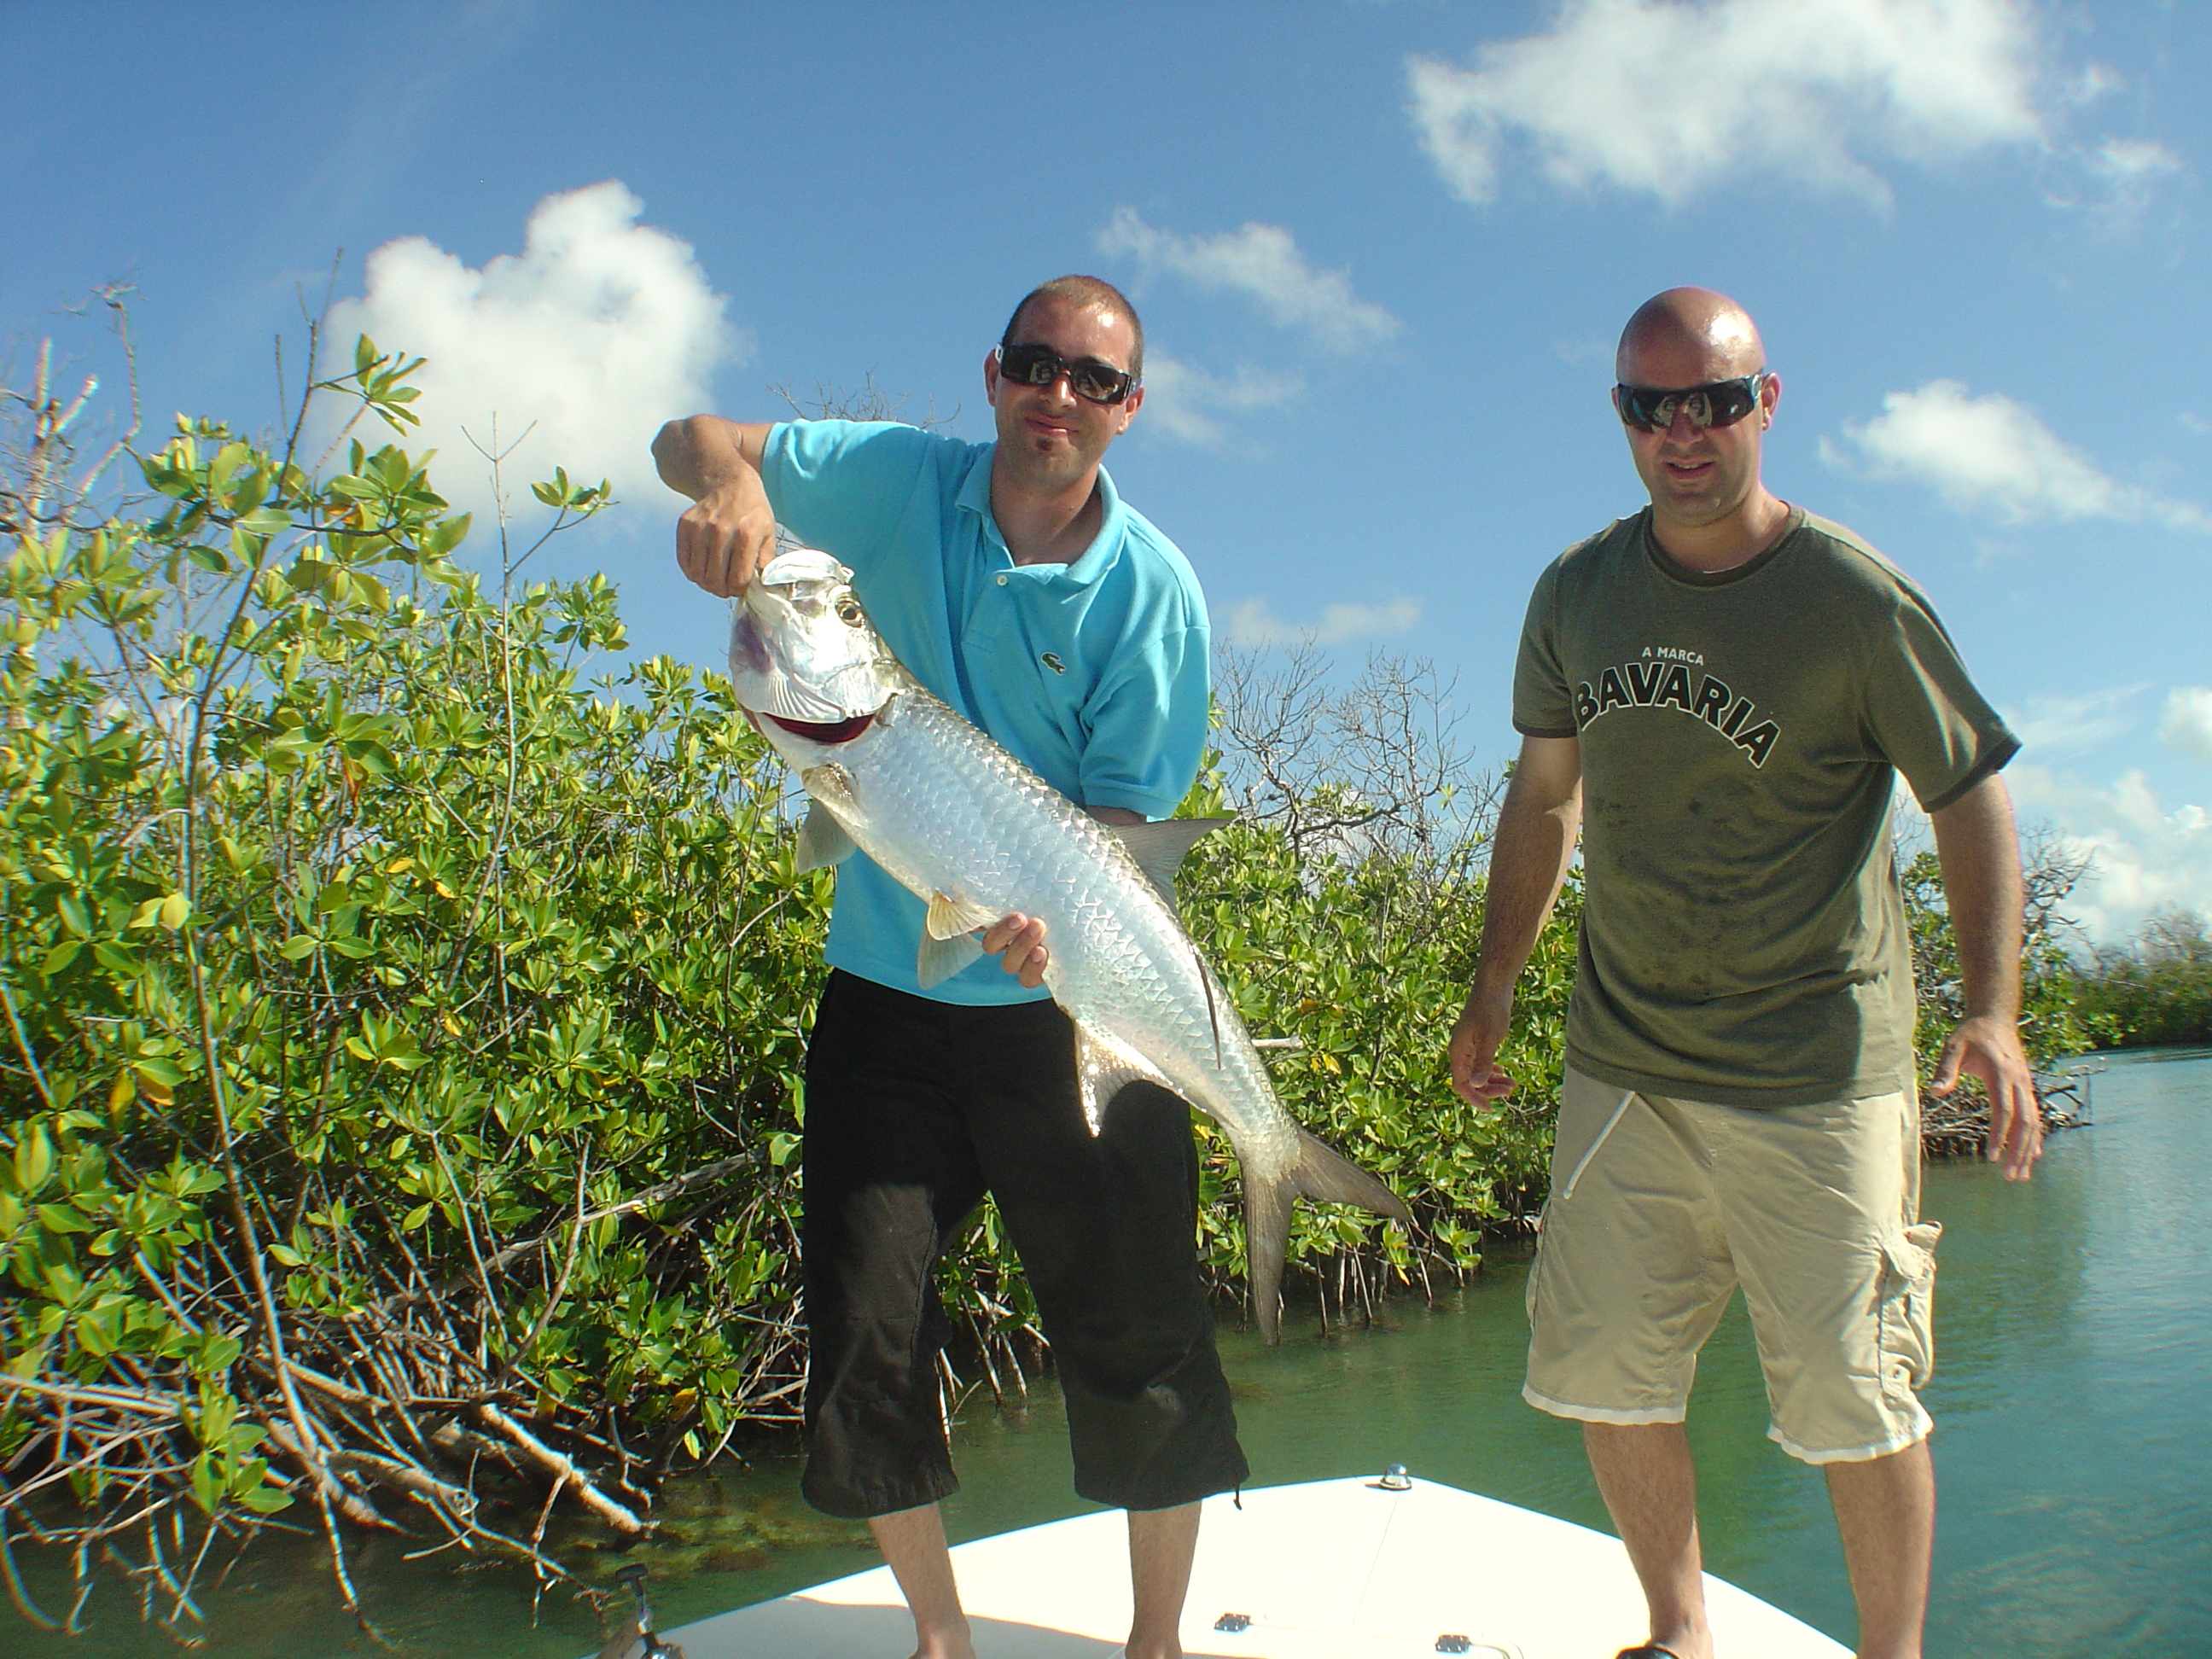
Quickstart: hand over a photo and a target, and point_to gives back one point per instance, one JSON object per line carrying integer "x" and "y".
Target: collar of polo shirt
{"x": 1097, "y": 559}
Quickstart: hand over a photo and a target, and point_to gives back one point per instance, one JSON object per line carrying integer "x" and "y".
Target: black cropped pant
{"x": 915, "y": 1108}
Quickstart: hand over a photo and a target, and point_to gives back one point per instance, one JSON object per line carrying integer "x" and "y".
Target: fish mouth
{"x": 825, "y": 732}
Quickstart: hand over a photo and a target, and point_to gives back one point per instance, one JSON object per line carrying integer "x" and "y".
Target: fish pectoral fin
{"x": 1103, "y": 1068}
{"x": 822, "y": 839}
{"x": 831, "y": 786}
{"x": 949, "y": 917}
{"x": 939, "y": 959}
{"x": 1160, "y": 849}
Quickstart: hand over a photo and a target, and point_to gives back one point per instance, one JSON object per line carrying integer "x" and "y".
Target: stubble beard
{"x": 1046, "y": 463}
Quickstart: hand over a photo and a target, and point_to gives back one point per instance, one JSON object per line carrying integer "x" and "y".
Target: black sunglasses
{"x": 1091, "y": 379}
{"x": 1722, "y": 402}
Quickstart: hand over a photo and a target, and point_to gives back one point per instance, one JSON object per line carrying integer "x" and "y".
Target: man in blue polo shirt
{"x": 1012, "y": 580}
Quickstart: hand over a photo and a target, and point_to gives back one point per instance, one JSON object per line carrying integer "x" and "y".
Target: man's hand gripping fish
{"x": 958, "y": 821}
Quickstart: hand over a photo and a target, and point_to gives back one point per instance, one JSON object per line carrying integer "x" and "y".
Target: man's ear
{"x": 1130, "y": 405}
{"x": 1769, "y": 394}
{"x": 991, "y": 376}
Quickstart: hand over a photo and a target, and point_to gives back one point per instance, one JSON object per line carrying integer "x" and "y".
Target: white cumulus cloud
{"x": 1255, "y": 623}
{"x": 1263, "y": 263}
{"x": 1187, "y": 403}
{"x": 598, "y": 330}
{"x": 2144, "y": 853}
{"x": 1672, "y": 97}
{"x": 1990, "y": 455}
{"x": 2188, "y": 724}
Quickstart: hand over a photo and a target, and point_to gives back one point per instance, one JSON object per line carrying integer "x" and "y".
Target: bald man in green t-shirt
{"x": 1718, "y": 694}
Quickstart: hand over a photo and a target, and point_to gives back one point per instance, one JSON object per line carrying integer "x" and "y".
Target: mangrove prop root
{"x": 1958, "y": 1126}
{"x": 564, "y": 1471}
{"x": 400, "y": 1413}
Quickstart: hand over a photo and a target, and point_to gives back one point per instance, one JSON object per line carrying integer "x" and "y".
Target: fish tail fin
{"x": 1322, "y": 1173}
{"x": 1319, "y": 1173}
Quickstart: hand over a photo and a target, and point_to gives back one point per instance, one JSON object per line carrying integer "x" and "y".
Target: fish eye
{"x": 848, "y": 612}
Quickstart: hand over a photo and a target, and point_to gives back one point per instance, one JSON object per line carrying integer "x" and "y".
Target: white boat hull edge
{"x": 1329, "y": 1570}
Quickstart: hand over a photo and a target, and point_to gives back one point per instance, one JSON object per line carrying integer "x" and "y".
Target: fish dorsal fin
{"x": 939, "y": 959}
{"x": 822, "y": 839}
{"x": 949, "y": 917}
{"x": 1104, "y": 1068}
{"x": 1159, "y": 849}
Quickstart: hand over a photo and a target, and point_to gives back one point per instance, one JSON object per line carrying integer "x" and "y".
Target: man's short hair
{"x": 1092, "y": 293}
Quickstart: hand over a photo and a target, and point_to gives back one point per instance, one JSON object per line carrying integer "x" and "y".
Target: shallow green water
{"x": 2075, "y": 1327}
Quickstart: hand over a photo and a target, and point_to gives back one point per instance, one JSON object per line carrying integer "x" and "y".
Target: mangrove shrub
{"x": 2157, "y": 988}
{"x": 403, "y": 1031}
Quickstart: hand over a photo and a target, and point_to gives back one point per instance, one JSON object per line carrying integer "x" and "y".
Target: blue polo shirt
{"x": 1093, "y": 673}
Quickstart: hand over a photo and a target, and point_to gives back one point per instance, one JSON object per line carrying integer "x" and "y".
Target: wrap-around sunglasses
{"x": 1088, "y": 378}
{"x": 1721, "y": 403}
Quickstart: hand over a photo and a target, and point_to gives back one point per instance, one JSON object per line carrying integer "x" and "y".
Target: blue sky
{"x": 1382, "y": 252}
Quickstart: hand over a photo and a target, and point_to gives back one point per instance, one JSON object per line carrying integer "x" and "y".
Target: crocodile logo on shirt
{"x": 1052, "y": 661}
{"x": 1654, "y": 682}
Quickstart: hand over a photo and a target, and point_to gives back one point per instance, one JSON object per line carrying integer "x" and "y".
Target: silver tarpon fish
{"x": 959, "y": 821}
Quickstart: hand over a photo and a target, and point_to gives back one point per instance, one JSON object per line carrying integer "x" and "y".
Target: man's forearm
{"x": 701, "y": 454}
{"x": 1528, "y": 858}
{"x": 1976, "y": 844}
{"x": 729, "y": 530}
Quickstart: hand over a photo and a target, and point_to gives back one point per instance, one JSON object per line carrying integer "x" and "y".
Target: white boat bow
{"x": 1350, "y": 1569}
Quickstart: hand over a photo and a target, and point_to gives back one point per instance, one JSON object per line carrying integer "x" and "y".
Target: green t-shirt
{"x": 1743, "y": 936}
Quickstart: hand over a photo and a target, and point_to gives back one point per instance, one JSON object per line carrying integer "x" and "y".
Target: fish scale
{"x": 947, "y": 812}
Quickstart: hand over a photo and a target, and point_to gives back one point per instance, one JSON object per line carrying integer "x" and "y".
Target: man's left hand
{"x": 1989, "y": 1048}
{"x": 1022, "y": 938}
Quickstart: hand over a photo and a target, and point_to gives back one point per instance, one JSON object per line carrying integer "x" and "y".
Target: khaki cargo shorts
{"x": 1659, "y": 1208}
